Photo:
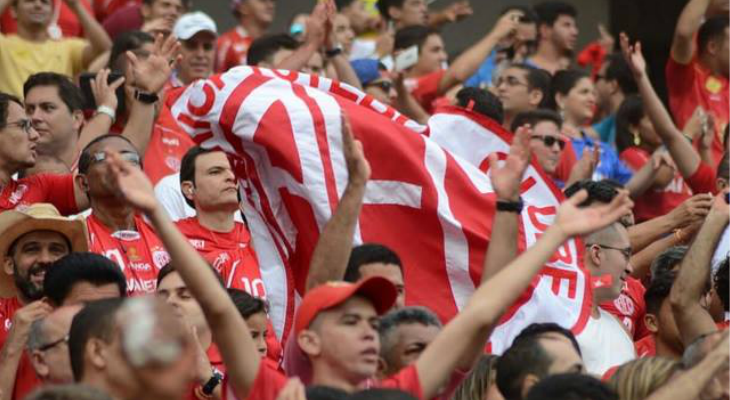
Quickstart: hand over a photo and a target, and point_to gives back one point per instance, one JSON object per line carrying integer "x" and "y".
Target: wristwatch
{"x": 212, "y": 383}
{"x": 146, "y": 98}
{"x": 511, "y": 206}
{"x": 333, "y": 52}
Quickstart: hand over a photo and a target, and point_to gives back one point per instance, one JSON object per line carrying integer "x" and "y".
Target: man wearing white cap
{"x": 198, "y": 33}
{"x": 30, "y": 241}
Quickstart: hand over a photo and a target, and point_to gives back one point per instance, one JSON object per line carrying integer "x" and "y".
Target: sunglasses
{"x": 128, "y": 156}
{"x": 549, "y": 141}
{"x": 383, "y": 85}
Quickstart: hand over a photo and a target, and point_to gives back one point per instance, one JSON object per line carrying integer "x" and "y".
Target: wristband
{"x": 212, "y": 383}
{"x": 510, "y": 206}
{"x": 334, "y": 52}
{"x": 108, "y": 111}
{"x": 146, "y": 98}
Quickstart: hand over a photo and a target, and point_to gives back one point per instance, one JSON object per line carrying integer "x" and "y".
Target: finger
{"x": 133, "y": 60}
{"x": 117, "y": 83}
{"x": 493, "y": 160}
{"x": 579, "y": 197}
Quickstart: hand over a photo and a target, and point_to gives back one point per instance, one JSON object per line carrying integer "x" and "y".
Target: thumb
{"x": 493, "y": 159}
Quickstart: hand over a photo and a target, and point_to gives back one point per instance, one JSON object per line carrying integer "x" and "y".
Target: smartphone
{"x": 88, "y": 95}
{"x": 406, "y": 59}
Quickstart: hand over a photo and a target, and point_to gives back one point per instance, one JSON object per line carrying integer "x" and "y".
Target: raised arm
{"x": 506, "y": 181}
{"x": 99, "y": 40}
{"x": 469, "y": 61}
{"x": 452, "y": 13}
{"x": 468, "y": 332}
{"x": 313, "y": 42}
{"x": 104, "y": 96}
{"x": 405, "y": 102}
{"x": 683, "y": 44}
{"x": 230, "y": 332}
{"x": 330, "y": 256}
{"x": 684, "y": 155}
{"x": 694, "y": 273}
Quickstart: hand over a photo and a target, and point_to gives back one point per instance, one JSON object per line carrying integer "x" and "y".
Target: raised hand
{"x": 692, "y": 210}
{"x": 584, "y": 168}
{"x": 506, "y": 180}
{"x": 457, "y": 11}
{"x": 151, "y": 74}
{"x": 28, "y": 314}
{"x": 507, "y": 24}
{"x": 316, "y": 25}
{"x": 358, "y": 167}
{"x": 573, "y": 221}
{"x": 105, "y": 94}
{"x": 605, "y": 38}
{"x": 633, "y": 55}
{"x": 132, "y": 184}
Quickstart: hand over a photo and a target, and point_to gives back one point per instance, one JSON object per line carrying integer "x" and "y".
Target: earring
{"x": 637, "y": 138}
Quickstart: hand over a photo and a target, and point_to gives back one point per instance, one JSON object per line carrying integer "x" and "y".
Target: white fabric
{"x": 604, "y": 344}
{"x": 722, "y": 251}
{"x": 170, "y": 196}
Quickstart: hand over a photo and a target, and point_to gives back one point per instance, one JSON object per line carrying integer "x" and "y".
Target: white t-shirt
{"x": 169, "y": 194}
{"x": 605, "y": 343}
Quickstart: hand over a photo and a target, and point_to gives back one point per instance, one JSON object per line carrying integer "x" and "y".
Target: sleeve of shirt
{"x": 59, "y": 191}
{"x": 703, "y": 180}
{"x": 406, "y": 380}
{"x": 634, "y": 159}
{"x": 76, "y": 48}
{"x": 680, "y": 77}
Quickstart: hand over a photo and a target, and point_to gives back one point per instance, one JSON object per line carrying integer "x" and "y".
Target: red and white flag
{"x": 282, "y": 130}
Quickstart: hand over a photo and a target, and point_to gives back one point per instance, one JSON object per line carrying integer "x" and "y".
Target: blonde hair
{"x": 637, "y": 379}
{"x": 482, "y": 376}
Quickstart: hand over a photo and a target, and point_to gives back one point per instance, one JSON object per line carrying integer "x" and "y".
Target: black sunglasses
{"x": 549, "y": 141}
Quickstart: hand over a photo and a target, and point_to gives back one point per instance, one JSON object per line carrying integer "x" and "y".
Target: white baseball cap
{"x": 192, "y": 23}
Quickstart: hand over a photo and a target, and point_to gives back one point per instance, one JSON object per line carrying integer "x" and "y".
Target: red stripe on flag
{"x": 233, "y": 104}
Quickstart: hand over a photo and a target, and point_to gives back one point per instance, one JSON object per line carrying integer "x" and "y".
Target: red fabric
{"x": 8, "y": 307}
{"x": 693, "y": 85}
{"x": 274, "y": 351}
{"x": 67, "y": 20}
{"x": 125, "y": 19}
{"x": 566, "y": 163}
{"x": 106, "y": 8}
{"x": 630, "y": 307}
{"x": 216, "y": 361}
{"x": 25, "y": 379}
{"x": 592, "y": 56}
{"x": 723, "y": 325}
{"x": 141, "y": 255}
{"x": 230, "y": 253}
{"x": 42, "y": 188}
{"x": 232, "y": 49}
{"x": 425, "y": 89}
{"x": 655, "y": 202}
{"x": 646, "y": 347}
{"x": 168, "y": 144}
{"x": 703, "y": 180}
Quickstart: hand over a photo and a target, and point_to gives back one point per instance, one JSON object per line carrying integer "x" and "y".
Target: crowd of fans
{"x": 105, "y": 199}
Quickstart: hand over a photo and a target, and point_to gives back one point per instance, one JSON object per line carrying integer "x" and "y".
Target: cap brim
{"x": 188, "y": 35}
{"x": 380, "y": 291}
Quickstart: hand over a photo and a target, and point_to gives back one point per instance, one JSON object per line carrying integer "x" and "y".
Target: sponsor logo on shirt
{"x": 197, "y": 243}
{"x": 220, "y": 261}
{"x": 171, "y": 142}
{"x": 160, "y": 258}
{"x": 18, "y": 194}
{"x": 140, "y": 266}
{"x": 141, "y": 286}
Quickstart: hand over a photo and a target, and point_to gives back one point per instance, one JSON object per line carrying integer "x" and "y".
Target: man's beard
{"x": 27, "y": 288}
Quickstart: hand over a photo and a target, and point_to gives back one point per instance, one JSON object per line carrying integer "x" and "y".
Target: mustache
{"x": 38, "y": 268}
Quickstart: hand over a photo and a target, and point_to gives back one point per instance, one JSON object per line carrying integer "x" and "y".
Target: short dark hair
{"x": 549, "y": 12}
{"x": 319, "y": 392}
{"x": 381, "y": 394}
{"x": 264, "y": 48}
{"x": 69, "y": 391}
{"x": 5, "y": 100}
{"x": 187, "y": 167}
{"x": 384, "y": 6}
{"x": 85, "y": 157}
{"x": 713, "y": 28}
{"x": 170, "y": 268}
{"x": 527, "y": 356}
{"x": 598, "y": 191}
{"x": 564, "y": 81}
{"x": 406, "y": 315}
{"x": 721, "y": 284}
{"x": 77, "y": 267}
{"x": 482, "y": 102}
{"x": 534, "y": 117}
{"x": 537, "y": 79}
{"x": 414, "y": 35}
{"x": 369, "y": 253}
{"x": 629, "y": 114}
{"x": 528, "y": 14}
{"x": 618, "y": 70}
{"x": 573, "y": 386}
{"x": 69, "y": 93}
{"x": 127, "y": 41}
{"x": 667, "y": 260}
{"x": 658, "y": 291}
{"x": 96, "y": 320}
{"x": 246, "y": 304}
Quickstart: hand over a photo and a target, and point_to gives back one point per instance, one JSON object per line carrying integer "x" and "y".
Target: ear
{"x": 560, "y": 101}
{"x": 535, "y": 97}
{"x": 382, "y": 371}
{"x": 527, "y": 384}
{"x": 188, "y": 189}
{"x": 78, "y": 117}
{"x": 8, "y": 266}
{"x": 652, "y": 322}
{"x": 310, "y": 343}
{"x": 39, "y": 364}
{"x": 594, "y": 252}
{"x": 96, "y": 353}
{"x": 82, "y": 182}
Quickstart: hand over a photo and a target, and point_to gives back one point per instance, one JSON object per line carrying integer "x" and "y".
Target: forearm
{"x": 94, "y": 32}
{"x": 690, "y": 384}
{"x": 690, "y": 19}
{"x": 641, "y": 181}
{"x": 641, "y": 261}
{"x": 502, "y": 245}
{"x": 706, "y": 155}
{"x": 407, "y": 104}
{"x": 139, "y": 125}
{"x": 333, "y": 249}
{"x": 299, "y": 58}
{"x": 467, "y": 64}
{"x": 645, "y": 233}
{"x": 344, "y": 70}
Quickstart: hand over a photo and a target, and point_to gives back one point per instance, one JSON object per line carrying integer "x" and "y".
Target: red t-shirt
{"x": 630, "y": 307}
{"x": 693, "y": 85}
{"x": 25, "y": 378}
{"x": 655, "y": 202}
{"x": 64, "y": 18}
{"x": 231, "y": 254}
{"x": 425, "y": 89}
{"x": 565, "y": 164}
{"x": 269, "y": 382}
{"x": 703, "y": 180}
{"x": 140, "y": 254}
{"x": 232, "y": 49}
{"x": 167, "y": 146}
{"x": 42, "y": 188}
{"x": 8, "y": 307}
{"x": 646, "y": 347}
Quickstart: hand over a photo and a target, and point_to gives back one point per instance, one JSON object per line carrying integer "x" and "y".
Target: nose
{"x": 46, "y": 257}
{"x": 629, "y": 268}
{"x": 33, "y": 134}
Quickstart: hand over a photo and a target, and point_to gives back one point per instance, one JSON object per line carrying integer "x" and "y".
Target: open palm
{"x": 574, "y": 220}
{"x": 506, "y": 179}
{"x": 150, "y": 74}
{"x": 633, "y": 55}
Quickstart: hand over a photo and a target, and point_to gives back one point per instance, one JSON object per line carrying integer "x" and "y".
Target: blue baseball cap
{"x": 367, "y": 70}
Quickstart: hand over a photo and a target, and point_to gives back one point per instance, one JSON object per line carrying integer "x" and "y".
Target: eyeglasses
{"x": 626, "y": 251}
{"x": 129, "y": 156}
{"x": 25, "y": 124}
{"x": 51, "y": 345}
{"x": 549, "y": 141}
{"x": 383, "y": 85}
{"x": 510, "y": 81}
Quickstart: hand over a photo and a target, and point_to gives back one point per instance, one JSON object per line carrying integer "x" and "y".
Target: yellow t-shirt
{"x": 20, "y": 59}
